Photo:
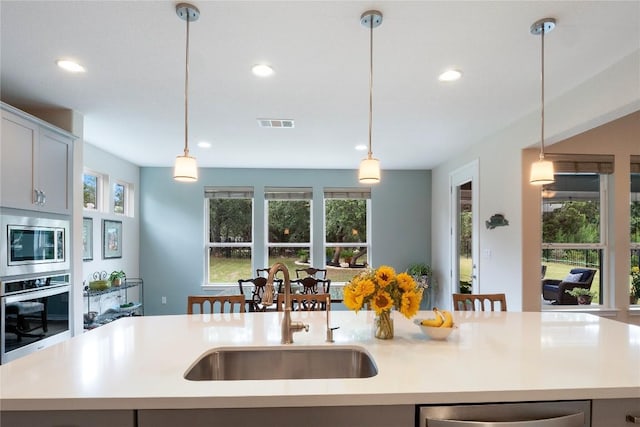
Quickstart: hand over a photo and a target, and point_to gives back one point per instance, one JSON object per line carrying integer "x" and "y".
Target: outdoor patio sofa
{"x": 554, "y": 290}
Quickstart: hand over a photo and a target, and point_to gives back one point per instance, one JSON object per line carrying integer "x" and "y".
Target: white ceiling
{"x": 132, "y": 101}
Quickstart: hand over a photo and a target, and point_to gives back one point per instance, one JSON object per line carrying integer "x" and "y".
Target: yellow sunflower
{"x": 410, "y": 303}
{"x": 382, "y": 301}
{"x": 352, "y": 300}
{"x": 406, "y": 282}
{"x": 385, "y": 275}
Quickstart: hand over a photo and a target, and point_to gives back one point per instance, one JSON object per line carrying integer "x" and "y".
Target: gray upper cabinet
{"x": 35, "y": 164}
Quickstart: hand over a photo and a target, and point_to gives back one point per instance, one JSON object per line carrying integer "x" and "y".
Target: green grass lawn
{"x": 230, "y": 270}
{"x": 555, "y": 270}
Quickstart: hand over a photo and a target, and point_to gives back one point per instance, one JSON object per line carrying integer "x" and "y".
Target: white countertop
{"x": 139, "y": 363}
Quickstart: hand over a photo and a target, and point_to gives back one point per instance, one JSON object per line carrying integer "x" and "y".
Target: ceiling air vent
{"x": 276, "y": 123}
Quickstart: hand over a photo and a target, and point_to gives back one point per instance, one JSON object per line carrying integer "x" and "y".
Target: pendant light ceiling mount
{"x": 542, "y": 172}
{"x": 369, "y": 171}
{"x": 186, "y": 168}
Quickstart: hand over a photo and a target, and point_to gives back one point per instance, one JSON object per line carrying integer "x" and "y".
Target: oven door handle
{"x": 37, "y": 293}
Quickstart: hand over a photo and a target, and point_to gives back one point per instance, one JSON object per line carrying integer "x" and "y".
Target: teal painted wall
{"x": 172, "y": 251}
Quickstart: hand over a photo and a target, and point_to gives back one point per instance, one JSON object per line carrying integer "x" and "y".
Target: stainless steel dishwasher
{"x": 574, "y": 413}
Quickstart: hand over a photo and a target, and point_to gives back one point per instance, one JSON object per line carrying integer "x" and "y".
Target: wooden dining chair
{"x": 256, "y": 287}
{"x": 306, "y": 302}
{"x": 318, "y": 273}
{"x": 311, "y": 285}
{"x": 478, "y": 302}
{"x": 204, "y": 301}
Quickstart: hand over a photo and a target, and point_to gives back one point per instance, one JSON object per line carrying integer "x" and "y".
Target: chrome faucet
{"x": 287, "y": 327}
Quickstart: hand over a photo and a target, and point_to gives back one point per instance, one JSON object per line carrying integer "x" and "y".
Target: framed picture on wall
{"x": 87, "y": 239}
{"x": 111, "y": 239}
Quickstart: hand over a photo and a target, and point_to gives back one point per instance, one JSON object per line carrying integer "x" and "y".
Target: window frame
{"x": 604, "y": 290}
{"x": 232, "y": 193}
{"x": 347, "y": 194}
{"x": 100, "y": 185}
{"x": 284, "y": 194}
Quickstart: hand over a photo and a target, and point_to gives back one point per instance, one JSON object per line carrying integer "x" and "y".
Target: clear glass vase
{"x": 383, "y": 326}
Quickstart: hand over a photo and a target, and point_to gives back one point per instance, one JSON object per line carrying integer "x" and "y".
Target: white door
{"x": 464, "y": 222}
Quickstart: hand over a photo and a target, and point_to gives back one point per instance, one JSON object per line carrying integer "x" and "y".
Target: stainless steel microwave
{"x": 34, "y": 245}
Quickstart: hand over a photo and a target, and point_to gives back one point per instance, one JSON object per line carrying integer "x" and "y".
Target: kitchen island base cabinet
{"x": 340, "y": 416}
{"x": 614, "y": 412}
{"x": 115, "y": 418}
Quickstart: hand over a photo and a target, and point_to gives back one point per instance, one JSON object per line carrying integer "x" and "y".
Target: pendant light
{"x": 542, "y": 172}
{"x": 185, "y": 168}
{"x": 369, "y": 172}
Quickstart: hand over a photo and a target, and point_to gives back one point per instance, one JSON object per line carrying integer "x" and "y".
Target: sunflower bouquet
{"x": 381, "y": 290}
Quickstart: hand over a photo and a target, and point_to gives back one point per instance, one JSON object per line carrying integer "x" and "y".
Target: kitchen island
{"x": 136, "y": 365}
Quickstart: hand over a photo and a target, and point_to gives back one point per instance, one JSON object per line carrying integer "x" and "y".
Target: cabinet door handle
{"x": 572, "y": 420}
{"x": 43, "y": 198}
{"x": 633, "y": 419}
{"x": 36, "y": 198}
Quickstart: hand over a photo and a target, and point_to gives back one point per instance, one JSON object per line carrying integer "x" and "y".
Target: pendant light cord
{"x": 370, "y": 83}
{"x": 186, "y": 92}
{"x": 542, "y": 95}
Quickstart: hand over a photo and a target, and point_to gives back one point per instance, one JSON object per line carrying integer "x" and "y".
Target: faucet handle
{"x": 330, "y": 333}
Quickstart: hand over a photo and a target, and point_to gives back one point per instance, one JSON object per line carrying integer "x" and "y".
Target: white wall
{"x": 607, "y": 96}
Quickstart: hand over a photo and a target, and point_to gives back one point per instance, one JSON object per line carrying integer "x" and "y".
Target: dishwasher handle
{"x": 571, "y": 420}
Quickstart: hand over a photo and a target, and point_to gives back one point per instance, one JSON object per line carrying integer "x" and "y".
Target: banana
{"x": 437, "y": 322}
{"x": 448, "y": 319}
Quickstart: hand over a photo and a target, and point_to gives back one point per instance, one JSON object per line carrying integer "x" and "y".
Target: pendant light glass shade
{"x": 542, "y": 172}
{"x": 369, "y": 172}
{"x": 185, "y": 167}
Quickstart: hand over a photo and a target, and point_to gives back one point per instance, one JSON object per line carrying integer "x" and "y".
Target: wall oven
{"x": 34, "y": 245}
{"x": 35, "y": 314}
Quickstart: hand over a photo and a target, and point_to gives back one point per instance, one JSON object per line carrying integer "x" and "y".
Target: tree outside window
{"x": 289, "y": 227}
{"x": 90, "y": 183}
{"x": 346, "y": 228}
{"x": 230, "y": 234}
{"x": 119, "y": 198}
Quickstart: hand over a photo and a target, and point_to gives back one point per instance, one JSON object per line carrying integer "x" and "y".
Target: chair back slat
{"x": 207, "y": 303}
{"x": 479, "y": 302}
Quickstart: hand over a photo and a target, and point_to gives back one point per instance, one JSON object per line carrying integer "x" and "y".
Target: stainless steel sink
{"x": 280, "y": 363}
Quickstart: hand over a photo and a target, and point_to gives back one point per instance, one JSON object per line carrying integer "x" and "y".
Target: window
{"x": 92, "y": 190}
{"x": 573, "y": 229}
{"x": 346, "y": 228}
{"x": 289, "y": 226}
{"x": 230, "y": 233}
{"x": 121, "y": 198}
{"x": 634, "y": 230}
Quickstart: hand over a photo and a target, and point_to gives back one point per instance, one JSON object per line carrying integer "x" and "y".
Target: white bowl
{"x": 435, "y": 333}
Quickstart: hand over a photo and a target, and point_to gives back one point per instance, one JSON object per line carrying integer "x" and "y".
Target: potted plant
{"x": 421, "y": 274}
{"x": 583, "y": 295}
{"x": 303, "y": 255}
{"x": 116, "y": 277}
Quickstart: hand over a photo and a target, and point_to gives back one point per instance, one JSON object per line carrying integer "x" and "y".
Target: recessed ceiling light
{"x": 450, "y": 76}
{"x": 361, "y": 147}
{"x": 71, "y": 66}
{"x": 204, "y": 144}
{"x": 262, "y": 70}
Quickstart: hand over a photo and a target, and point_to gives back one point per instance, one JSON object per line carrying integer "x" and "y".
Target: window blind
{"x": 347, "y": 193}
{"x": 581, "y": 163}
{"x": 228, "y": 192}
{"x": 635, "y": 164}
{"x": 288, "y": 193}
